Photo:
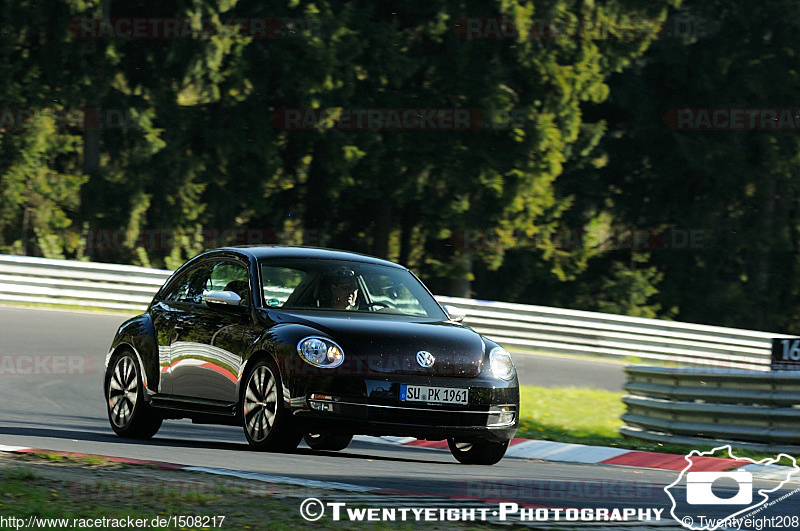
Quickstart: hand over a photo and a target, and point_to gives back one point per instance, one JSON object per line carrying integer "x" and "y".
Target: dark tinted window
{"x": 279, "y": 282}
{"x": 228, "y": 276}
{"x": 324, "y": 284}
{"x": 188, "y": 287}
{"x": 222, "y": 275}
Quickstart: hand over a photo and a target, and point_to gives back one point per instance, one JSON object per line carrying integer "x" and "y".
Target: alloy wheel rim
{"x": 260, "y": 403}
{"x": 122, "y": 392}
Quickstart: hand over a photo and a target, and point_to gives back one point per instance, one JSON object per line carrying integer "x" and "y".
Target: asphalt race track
{"x": 66, "y": 412}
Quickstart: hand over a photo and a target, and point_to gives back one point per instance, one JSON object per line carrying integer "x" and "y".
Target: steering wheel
{"x": 381, "y": 304}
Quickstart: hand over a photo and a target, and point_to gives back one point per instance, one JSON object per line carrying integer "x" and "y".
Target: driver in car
{"x": 344, "y": 292}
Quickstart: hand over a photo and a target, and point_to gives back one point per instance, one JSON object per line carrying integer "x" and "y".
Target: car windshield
{"x": 338, "y": 285}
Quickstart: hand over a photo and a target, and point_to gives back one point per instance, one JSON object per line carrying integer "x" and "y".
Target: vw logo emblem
{"x": 425, "y": 358}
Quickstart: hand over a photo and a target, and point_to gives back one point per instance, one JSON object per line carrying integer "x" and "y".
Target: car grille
{"x": 427, "y": 418}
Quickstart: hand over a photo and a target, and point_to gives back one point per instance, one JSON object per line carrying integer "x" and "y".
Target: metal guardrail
{"x": 713, "y": 406}
{"x": 71, "y": 283}
{"x": 560, "y": 331}
{"x": 516, "y": 326}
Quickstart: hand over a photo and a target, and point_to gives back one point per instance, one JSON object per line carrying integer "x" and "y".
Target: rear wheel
{"x": 129, "y": 414}
{"x": 328, "y": 441}
{"x": 267, "y": 424}
{"x": 477, "y": 452}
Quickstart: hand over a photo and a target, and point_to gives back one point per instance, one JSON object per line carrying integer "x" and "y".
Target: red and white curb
{"x": 601, "y": 455}
{"x": 518, "y": 448}
{"x": 12, "y": 449}
{"x": 255, "y": 476}
{"x": 276, "y": 479}
{"x": 123, "y": 460}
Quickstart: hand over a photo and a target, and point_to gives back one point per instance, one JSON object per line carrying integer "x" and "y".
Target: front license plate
{"x": 438, "y": 395}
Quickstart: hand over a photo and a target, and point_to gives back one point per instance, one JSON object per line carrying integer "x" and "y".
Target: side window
{"x": 188, "y": 287}
{"x": 228, "y": 276}
{"x": 279, "y": 283}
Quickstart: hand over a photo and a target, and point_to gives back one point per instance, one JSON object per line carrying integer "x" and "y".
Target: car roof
{"x": 314, "y": 253}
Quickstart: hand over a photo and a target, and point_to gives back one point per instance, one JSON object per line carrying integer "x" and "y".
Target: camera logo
{"x": 698, "y": 488}
{"x": 718, "y": 490}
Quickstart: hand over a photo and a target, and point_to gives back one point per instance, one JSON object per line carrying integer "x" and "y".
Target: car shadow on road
{"x": 172, "y": 442}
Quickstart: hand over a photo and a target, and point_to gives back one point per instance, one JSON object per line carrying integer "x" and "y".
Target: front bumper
{"x": 372, "y": 406}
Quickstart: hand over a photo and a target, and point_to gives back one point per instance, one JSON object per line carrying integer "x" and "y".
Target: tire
{"x": 328, "y": 441}
{"x": 266, "y": 422}
{"x": 129, "y": 414}
{"x": 477, "y": 452}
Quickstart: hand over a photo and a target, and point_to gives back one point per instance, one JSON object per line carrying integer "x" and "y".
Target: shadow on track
{"x": 171, "y": 442}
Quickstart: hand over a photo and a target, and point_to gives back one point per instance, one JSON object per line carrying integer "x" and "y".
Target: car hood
{"x": 390, "y": 343}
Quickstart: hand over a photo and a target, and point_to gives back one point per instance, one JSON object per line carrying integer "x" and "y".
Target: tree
{"x": 406, "y": 193}
{"x": 41, "y": 184}
{"x": 40, "y": 174}
{"x": 737, "y": 188}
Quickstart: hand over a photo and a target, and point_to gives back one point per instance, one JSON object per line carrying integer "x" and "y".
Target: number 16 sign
{"x": 786, "y": 354}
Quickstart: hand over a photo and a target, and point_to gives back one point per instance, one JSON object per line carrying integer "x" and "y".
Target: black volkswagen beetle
{"x": 293, "y": 342}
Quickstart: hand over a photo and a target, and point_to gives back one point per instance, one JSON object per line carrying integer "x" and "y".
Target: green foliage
{"x": 628, "y": 289}
{"x": 739, "y": 189}
{"x": 567, "y": 138}
{"x": 551, "y": 414}
{"x": 41, "y": 189}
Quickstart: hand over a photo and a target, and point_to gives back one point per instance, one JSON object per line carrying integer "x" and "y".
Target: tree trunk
{"x": 26, "y": 217}
{"x": 766, "y": 237}
{"x": 317, "y": 202}
{"x": 460, "y": 283}
{"x": 407, "y": 225}
{"x": 91, "y": 146}
{"x": 383, "y": 225}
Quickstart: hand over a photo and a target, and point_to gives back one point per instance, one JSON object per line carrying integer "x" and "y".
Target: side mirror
{"x": 223, "y": 298}
{"x": 454, "y": 313}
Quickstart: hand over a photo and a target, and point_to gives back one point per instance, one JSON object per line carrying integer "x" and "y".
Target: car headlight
{"x": 501, "y": 364}
{"x": 320, "y": 352}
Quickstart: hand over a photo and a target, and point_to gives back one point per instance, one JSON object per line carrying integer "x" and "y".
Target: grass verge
{"x": 82, "y": 492}
{"x": 589, "y": 416}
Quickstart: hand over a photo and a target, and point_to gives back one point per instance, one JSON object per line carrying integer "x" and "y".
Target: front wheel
{"x": 477, "y": 452}
{"x": 328, "y": 441}
{"x": 129, "y": 414}
{"x": 267, "y": 424}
